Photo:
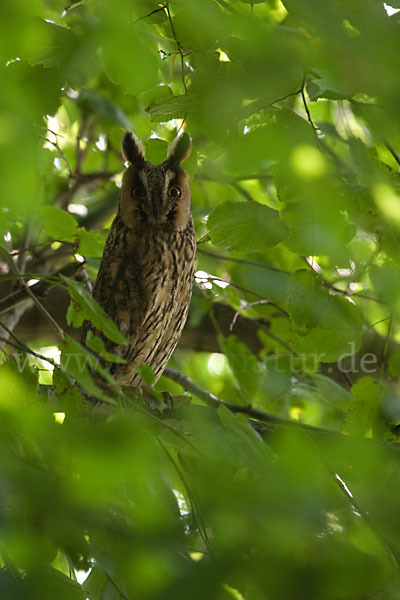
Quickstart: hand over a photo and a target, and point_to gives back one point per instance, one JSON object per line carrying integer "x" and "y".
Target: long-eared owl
{"x": 146, "y": 273}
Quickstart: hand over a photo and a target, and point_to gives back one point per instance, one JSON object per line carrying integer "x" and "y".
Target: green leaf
{"x": 386, "y": 281}
{"x": 173, "y": 108}
{"x": 58, "y": 223}
{"x": 326, "y": 86}
{"x": 50, "y": 44}
{"x": 244, "y": 366}
{"x": 92, "y": 102}
{"x": 96, "y": 586}
{"x": 95, "y": 343}
{"x": 91, "y": 243}
{"x": 156, "y": 150}
{"x": 42, "y": 86}
{"x": 77, "y": 362}
{"x": 84, "y": 307}
{"x": 57, "y": 585}
{"x": 147, "y": 374}
{"x": 70, "y": 399}
{"x": 117, "y": 34}
{"x": 316, "y": 228}
{"x": 245, "y": 226}
{"x": 325, "y": 325}
{"x": 363, "y": 409}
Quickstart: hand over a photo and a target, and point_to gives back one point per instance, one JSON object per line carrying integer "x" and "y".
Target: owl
{"x": 146, "y": 273}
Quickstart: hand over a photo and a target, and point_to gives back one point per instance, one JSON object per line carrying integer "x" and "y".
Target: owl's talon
{"x": 168, "y": 399}
{"x": 131, "y": 390}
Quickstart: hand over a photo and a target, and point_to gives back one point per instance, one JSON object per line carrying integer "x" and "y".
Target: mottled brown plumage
{"x": 146, "y": 273}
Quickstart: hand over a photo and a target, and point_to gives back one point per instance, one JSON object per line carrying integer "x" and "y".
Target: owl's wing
{"x": 118, "y": 288}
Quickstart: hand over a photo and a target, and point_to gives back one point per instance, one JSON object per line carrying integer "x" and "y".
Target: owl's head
{"x": 155, "y": 195}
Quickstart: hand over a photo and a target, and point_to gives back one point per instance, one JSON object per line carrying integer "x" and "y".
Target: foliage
{"x": 293, "y": 110}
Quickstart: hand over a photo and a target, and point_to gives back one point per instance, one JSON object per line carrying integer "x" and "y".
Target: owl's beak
{"x": 156, "y": 213}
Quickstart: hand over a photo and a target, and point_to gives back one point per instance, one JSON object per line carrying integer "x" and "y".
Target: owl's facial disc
{"x": 155, "y": 195}
{"x": 158, "y": 193}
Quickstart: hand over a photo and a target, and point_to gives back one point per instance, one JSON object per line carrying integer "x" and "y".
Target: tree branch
{"x": 215, "y": 402}
{"x": 29, "y": 292}
{"x": 39, "y": 290}
{"x": 241, "y": 260}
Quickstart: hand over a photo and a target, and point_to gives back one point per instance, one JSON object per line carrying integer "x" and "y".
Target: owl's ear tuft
{"x": 180, "y": 149}
{"x": 132, "y": 148}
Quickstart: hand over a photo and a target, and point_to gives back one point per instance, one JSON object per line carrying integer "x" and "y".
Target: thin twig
{"x": 38, "y": 289}
{"x": 254, "y": 413}
{"x": 309, "y": 118}
{"x": 227, "y": 6}
{"x": 243, "y": 289}
{"x": 242, "y": 261}
{"x": 364, "y": 514}
{"x": 59, "y": 149}
{"x": 150, "y": 14}
{"x": 21, "y": 346}
{"x": 392, "y": 152}
{"x": 277, "y": 339}
{"x": 276, "y": 270}
{"x": 73, "y": 5}
{"x": 261, "y": 104}
{"x": 36, "y": 301}
{"x": 90, "y": 177}
{"x": 242, "y": 191}
{"x": 347, "y": 293}
{"x": 221, "y": 177}
{"x": 195, "y": 509}
{"x": 243, "y": 308}
{"x": 79, "y": 151}
{"x": 178, "y": 44}
{"x": 117, "y": 587}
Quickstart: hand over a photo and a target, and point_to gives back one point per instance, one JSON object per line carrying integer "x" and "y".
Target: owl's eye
{"x": 138, "y": 192}
{"x": 174, "y": 191}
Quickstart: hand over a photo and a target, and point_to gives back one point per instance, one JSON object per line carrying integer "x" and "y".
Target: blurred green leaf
{"x": 123, "y": 37}
{"x": 326, "y": 87}
{"x": 323, "y": 324}
{"x": 51, "y": 45}
{"x": 80, "y": 364}
{"x": 91, "y": 102}
{"x": 315, "y": 229}
{"x": 230, "y": 223}
{"x": 156, "y": 151}
{"x": 244, "y": 366}
{"x": 99, "y": 587}
{"x": 55, "y": 583}
{"x": 95, "y": 343}
{"x": 363, "y": 409}
{"x": 173, "y": 108}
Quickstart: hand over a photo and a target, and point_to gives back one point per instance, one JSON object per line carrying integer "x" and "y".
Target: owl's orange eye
{"x": 138, "y": 192}
{"x": 174, "y": 191}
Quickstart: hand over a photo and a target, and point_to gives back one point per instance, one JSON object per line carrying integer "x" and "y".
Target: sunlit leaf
{"x": 58, "y": 223}
{"x": 90, "y": 243}
{"x": 85, "y": 307}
